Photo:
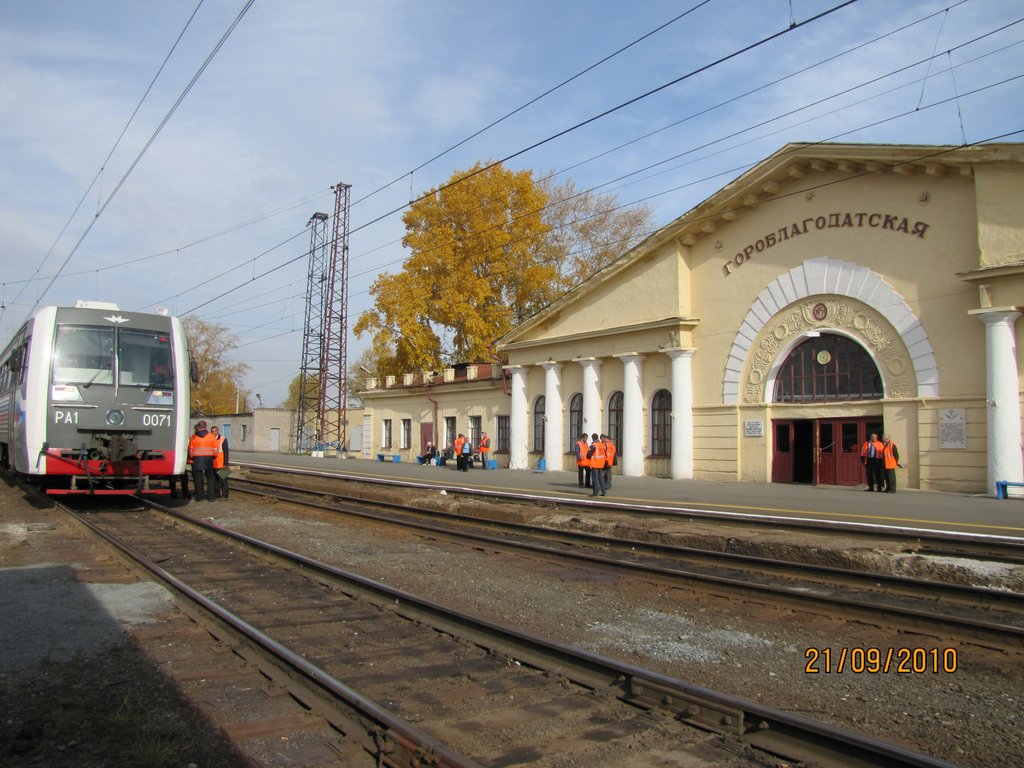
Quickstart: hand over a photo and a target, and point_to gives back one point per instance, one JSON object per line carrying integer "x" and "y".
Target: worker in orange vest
{"x": 220, "y": 463}
{"x": 582, "y": 463}
{"x": 459, "y": 459}
{"x": 891, "y": 460}
{"x": 485, "y": 449}
{"x": 202, "y": 450}
{"x": 871, "y": 458}
{"x": 609, "y": 460}
{"x": 597, "y": 458}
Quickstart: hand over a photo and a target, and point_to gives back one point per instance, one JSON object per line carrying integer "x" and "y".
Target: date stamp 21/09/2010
{"x": 870, "y": 660}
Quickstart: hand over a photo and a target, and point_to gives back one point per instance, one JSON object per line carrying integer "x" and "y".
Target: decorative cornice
{"x": 995, "y": 271}
{"x": 687, "y": 323}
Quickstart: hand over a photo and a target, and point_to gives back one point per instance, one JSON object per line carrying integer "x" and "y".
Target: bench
{"x": 392, "y": 457}
{"x": 1002, "y": 485}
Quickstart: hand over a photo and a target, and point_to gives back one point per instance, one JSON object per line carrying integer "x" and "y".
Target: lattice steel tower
{"x": 310, "y": 415}
{"x": 323, "y": 383}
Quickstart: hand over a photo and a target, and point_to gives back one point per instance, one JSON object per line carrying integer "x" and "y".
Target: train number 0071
{"x": 156, "y": 420}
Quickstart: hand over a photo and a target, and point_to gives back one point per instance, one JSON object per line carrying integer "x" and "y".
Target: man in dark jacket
{"x": 220, "y": 464}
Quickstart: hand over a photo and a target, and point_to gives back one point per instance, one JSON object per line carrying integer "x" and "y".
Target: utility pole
{"x": 334, "y": 381}
{"x": 323, "y": 383}
{"x": 310, "y": 420}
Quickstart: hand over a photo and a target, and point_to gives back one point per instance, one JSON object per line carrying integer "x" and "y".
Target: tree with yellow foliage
{"x": 490, "y": 248}
{"x": 472, "y": 276}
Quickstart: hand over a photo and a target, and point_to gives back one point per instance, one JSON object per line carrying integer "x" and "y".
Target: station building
{"x": 831, "y": 291}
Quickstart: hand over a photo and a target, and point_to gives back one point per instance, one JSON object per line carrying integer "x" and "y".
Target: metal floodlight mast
{"x": 310, "y": 418}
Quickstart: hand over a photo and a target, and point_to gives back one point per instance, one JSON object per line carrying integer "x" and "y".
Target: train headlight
{"x": 64, "y": 392}
{"x": 115, "y": 418}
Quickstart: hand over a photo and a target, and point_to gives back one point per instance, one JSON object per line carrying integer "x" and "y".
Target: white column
{"x": 518, "y": 434}
{"x": 1003, "y": 395}
{"x": 554, "y": 444}
{"x": 682, "y": 413}
{"x": 632, "y": 448}
{"x": 591, "y": 396}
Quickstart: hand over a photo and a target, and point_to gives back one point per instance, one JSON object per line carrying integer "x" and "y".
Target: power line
{"x": 148, "y": 144}
{"x": 113, "y": 149}
{"x": 777, "y": 117}
{"x": 535, "y": 99}
{"x": 736, "y": 98}
{"x": 612, "y": 110}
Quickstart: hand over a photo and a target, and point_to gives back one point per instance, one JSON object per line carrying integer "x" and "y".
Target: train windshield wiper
{"x": 96, "y": 375}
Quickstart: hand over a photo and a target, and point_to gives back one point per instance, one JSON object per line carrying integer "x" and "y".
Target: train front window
{"x": 83, "y": 355}
{"x": 144, "y": 359}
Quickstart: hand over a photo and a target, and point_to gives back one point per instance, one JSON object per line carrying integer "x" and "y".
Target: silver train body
{"x": 94, "y": 400}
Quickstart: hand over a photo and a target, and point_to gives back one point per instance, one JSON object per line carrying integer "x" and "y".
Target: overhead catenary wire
{"x": 902, "y": 114}
{"x": 385, "y": 186}
{"x": 250, "y": 281}
{"x": 533, "y": 101}
{"x": 142, "y": 152}
{"x": 113, "y": 149}
{"x": 610, "y": 111}
{"x": 304, "y": 201}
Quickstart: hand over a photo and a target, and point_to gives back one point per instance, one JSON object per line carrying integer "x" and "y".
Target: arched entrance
{"x": 824, "y": 368}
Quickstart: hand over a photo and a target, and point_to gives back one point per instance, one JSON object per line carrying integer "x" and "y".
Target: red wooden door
{"x": 826, "y": 453}
{"x": 782, "y": 451}
{"x": 426, "y": 436}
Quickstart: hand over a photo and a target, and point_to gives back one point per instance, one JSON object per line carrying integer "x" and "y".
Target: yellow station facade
{"x": 832, "y": 291}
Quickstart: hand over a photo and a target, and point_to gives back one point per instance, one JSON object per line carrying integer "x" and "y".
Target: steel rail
{"x": 384, "y": 734}
{"x": 865, "y": 579}
{"x": 788, "y": 735}
{"x": 961, "y": 544}
{"x": 945, "y": 626}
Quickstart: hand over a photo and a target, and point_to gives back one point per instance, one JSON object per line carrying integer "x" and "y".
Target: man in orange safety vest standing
{"x": 202, "y": 450}
{"x": 609, "y": 460}
{"x": 582, "y": 463}
{"x": 596, "y": 456}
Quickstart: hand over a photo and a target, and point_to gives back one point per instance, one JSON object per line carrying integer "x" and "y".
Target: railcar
{"x": 94, "y": 400}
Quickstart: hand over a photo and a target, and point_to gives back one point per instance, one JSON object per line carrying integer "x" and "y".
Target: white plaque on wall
{"x": 753, "y": 429}
{"x": 952, "y": 428}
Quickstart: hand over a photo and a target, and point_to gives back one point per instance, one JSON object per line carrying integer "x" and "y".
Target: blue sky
{"x": 308, "y": 93}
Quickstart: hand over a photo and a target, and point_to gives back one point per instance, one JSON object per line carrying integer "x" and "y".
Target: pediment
{"x": 788, "y": 172}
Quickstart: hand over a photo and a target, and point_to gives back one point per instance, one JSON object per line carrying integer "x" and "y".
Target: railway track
{"x": 416, "y": 683}
{"x": 950, "y": 612}
{"x": 916, "y": 541}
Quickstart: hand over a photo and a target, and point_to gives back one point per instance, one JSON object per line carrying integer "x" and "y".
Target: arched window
{"x": 538, "y": 425}
{"x": 575, "y": 419}
{"x": 615, "y": 419}
{"x": 829, "y": 367}
{"x": 661, "y": 423}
